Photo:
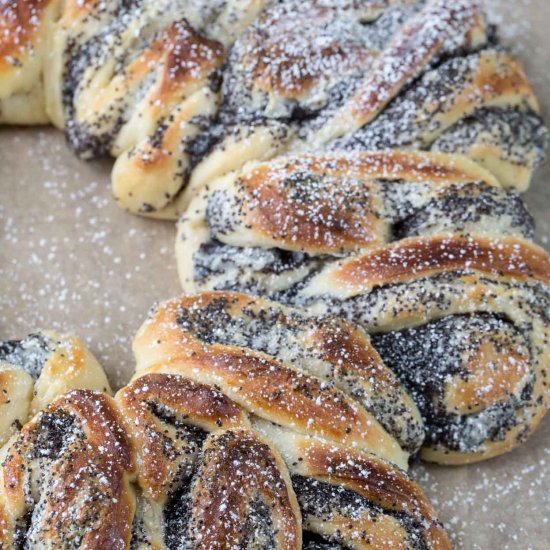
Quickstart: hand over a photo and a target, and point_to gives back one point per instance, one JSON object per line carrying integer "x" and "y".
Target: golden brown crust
{"x": 263, "y": 385}
{"x": 419, "y": 257}
{"x": 187, "y": 59}
{"x": 191, "y": 56}
{"x": 72, "y": 466}
{"x": 19, "y": 21}
{"x": 200, "y": 405}
{"x": 300, "y": 77}
{"x": 340, "y": 342}
{"x": 281, "y": 394}
{"x": 333, "y": 204}
{"x": 81, "y": 455}
{"x": 413, "y": 48}
{"x": 412, "y": 166}
{"x": 437, "y": 103}
{"x": 85, "y": 491}
{"x": 494, "y": 373}
{"x": 281, "y": 63}
{"x": 276, "y": 217}
{"x": 331, "y": 349}
{"x": 240, "y": 474}
{"x": 500, "y": 390}
{"x": 36, "y": 370}
{"x": 23, "y": 38}
{"x": 311, "y": 203}
{"x": 234, "y": 472}
{"x": 70, "y": 366}
{"x": 378, "y": 482}
{"x": 236, "y": 234}
{"x": 502, "y": 382}
{"x": 354, "y": 498}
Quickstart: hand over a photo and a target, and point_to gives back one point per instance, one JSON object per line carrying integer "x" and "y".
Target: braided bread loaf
{"x": 182, "y": 92}
{"x": 425, "y": 251}
{"x": 268, "y": 227}
{"x": 36, "y": 370}
{"x": 172, "y": 463}
{"x": 320, "y": 377}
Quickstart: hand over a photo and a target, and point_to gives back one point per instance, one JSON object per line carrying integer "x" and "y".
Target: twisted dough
{"x": 65, "y": 481}
{"x": 182, "y": 92}
{"x": 36, "y": 370}
{"x": 171, "y": 463}
{"x": 485, "y": 390}
{"x": 315, "y": 376}
{"x": 227, "y": 490}
{"x": 425, "y": 251}
{"x": 245, "y": 347}
{"x": 267, "y": 228}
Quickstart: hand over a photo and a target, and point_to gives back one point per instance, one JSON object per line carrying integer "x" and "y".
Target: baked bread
{"x": 183, "y": 92}
{"x": 427, "y": 252}
{"x": 227, "y": 490}
{"x": 36, "y": 370}
{"x": 473, "y": 314}
{"x": 267, "y": 228}
{"x": 65, "y": 480}
{"x": 317, "y": 376}
{"x": 306, "y": 384}
{"x": 171, "y": 463}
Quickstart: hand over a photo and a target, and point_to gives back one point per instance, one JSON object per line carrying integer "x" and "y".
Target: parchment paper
{"x": 71, "y": 260}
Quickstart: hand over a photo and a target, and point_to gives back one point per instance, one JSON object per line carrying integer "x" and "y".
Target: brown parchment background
{"x": 71, "y": 260}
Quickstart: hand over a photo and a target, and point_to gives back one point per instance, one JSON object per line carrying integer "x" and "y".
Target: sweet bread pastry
{"x": 318, "y": 376}
{"x": 183, "y": 92}
{"x": 119, "y": 75}
{"x": 229, "y": 489}
{"x": 361, "y": 76}
{"x": 172, "y": 463}
{"x": 347, "y": 497}
{"x": 350, "y": 499}
{"x": 267, "y": 228}
{"x": 276, "y": 391}
{"x": 479, "y": 105}
{"x": 425, "y": 251}
{"x": 65, "y": 480}
{"x": 36, "y": 370}
{"x": 463, "y": 323}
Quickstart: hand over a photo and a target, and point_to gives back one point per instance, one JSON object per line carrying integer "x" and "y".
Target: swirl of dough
{"x": 351, "y": 235}
{"x": 269, "y": 227}
{"x": 36, "y": 370}
{"x": 183, "y": 92}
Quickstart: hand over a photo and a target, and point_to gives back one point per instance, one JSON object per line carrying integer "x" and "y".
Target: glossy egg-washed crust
{"x": 317, "y": 460}
{"x": 419, "y": 280}
{"x": 74, "y": 463}
{"x": 28, "y": 383}
{"x": 235, "y": 468}
{"x": 319, "y": 204}
{"x": 90, "y": 472}
{"x": 420, "y": 257}
{"x": 325, "y": 206}
{"x": 331, "y": 205}
{"x": 315, "y": 375}
{"x": 277, "y": 391}
{"x": 337, "y": 467}
{"x": 488, "y": 79}
{"x": 207, "y": 88}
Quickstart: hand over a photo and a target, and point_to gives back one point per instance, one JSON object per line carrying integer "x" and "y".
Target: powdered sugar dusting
{"x": 71, "y": 260}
